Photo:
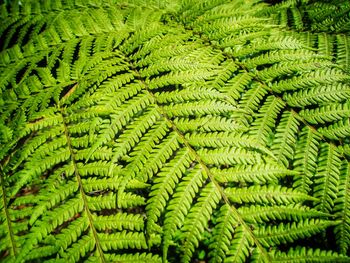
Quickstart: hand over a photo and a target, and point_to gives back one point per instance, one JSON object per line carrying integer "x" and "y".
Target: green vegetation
{"x": 174, "y": 131}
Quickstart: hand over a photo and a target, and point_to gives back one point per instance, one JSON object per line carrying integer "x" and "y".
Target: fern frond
{"x": 285, "y": 233}
{"x": 342, "y": 231}
{"x": 174, "y": 131}
{"x": 266, "y": 44}
{"x": 285, "y": 138}
{"x": 272, "y": 194}
{"x": 303, "y": 254}
{"x": 180, "y": 204}
{"x": 325, "y": 76}
{"x": 318, "y": 95}
{"x": 156, "y": 158}
{"x": 121, "y": 240}
{"x": 197, "y": 218}
{"x": 239, "y": 247}
{"x": 261, "y": 127}
{"x": 208, "y": 123}
{"x": 258, "y": 173}
{"x": 222, "y": 234}
{"x": 305, "y": 159}
{"x": 287, "y": 68}
{"x": 165, "y": 184}
{"x": 120, "y": 119}
{"x": 280, "y": 56}
{"x": 181, "y": 77}
{"x": 127, "y": 200}
{"x": 59, "y": 156}
{"x": 328, "y": 113}
{"x": 343, "y": 53}
{"x": 119, "y": 221}
{"x": 221, "y": 139}
{"x": 236, "y": 85}
{"x": 251, "y": 100}
{"x": 327, "y": 178}
{"x": 57, "y": 195}
{"x": 134, "y": 258}
{"x": 199, "y": 109}
{"x": 79, "y": 249}
{"x": 6, "y": 231}
{"x": 229, "y": 156}
{"x": 259, "y": 214}
{"x": 189, "y": 94}
{"x": 336, "y": 131}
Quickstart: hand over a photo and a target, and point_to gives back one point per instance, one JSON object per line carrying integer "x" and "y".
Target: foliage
{"x": 174, "y": 131}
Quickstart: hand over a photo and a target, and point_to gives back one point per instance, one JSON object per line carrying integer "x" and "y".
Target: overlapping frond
{"x": 140, "y": 131}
